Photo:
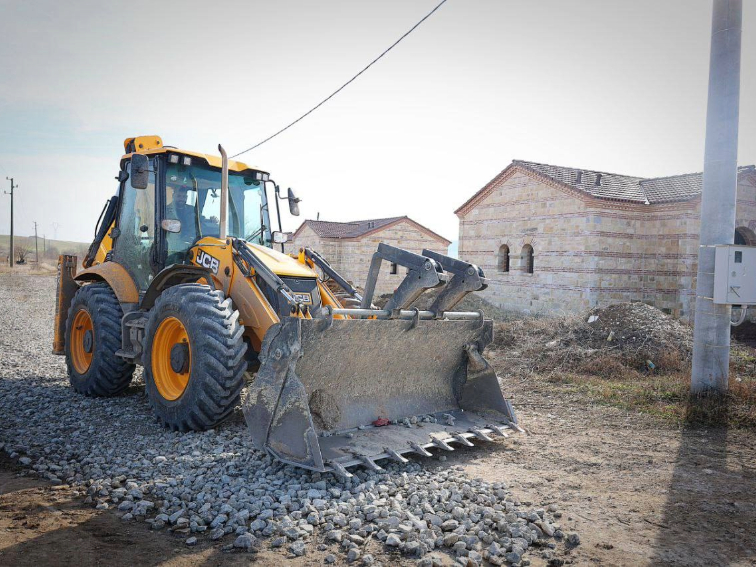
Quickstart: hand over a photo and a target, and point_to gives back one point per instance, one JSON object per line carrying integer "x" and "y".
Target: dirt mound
{"x": 640, "y": 326}
{"x": 604, "y": 340}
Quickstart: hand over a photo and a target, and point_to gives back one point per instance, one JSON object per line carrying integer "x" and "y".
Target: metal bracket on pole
{"x": 466, "y": 278}
{"x": 423, "y": 273}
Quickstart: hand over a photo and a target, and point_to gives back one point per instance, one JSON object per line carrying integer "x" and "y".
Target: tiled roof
{"x": 597, "y": 183}
{"x": 674, "y": 188}
{"x": 613, "y": 186}
{"x": 329, "y": 229}
{"x": 355, "y": 229}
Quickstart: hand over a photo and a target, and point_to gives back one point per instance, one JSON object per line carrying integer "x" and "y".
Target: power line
{"x": 337, "y": 91}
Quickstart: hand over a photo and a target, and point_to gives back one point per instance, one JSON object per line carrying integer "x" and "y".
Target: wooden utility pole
{"x": 11, "y": 224}
{"x": 711, "y": 331}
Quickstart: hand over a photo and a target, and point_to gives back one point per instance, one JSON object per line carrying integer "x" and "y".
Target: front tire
{"x": 193, "y": 357}
{"x": 93, "y": 335}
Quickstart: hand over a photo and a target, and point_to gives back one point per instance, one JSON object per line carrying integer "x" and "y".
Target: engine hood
{"x": 281, "y": 264}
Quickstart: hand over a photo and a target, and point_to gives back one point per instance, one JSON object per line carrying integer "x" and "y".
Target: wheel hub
{"x": 180, "y": 358}
{"x": 88, "y": 341}
{"x": 171, "y": 355}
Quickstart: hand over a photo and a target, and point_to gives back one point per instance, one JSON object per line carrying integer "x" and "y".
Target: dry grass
{"x": 30, "y": 269}
{"x": 645, "y": 368}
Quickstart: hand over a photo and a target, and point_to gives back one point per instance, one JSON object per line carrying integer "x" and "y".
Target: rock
{"x": 330, "y": 558}
{"x": 573, "y": 539}
{"x": 258, "y": 525}
{"x": 245, "y": 541}
{"x": 353, "y": 555}
{"x": 26, "y": 461}
{"x": 413, "y": 548}
{"x": 475, "y": 557}
{"x": 368, "y": 559}
{"x": 513, "y": 557}
{"x": 219, "y": 520}
{"x": 335, "y": 535}
{"x": 297, "y": 548}
{"x": 217, "y": 533}
{"x": 393, "y": 540}
{"x": 450, "y": 539}
{"x": 192, "y": 541}
{"x": 546, "y": 528}
{"x": 173, "y": 518}
{"x": 278, "y": 542}
{"x": 450, "y": 525}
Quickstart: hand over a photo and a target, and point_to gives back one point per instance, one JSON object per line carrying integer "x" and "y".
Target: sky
{"x": 616, "y": 86}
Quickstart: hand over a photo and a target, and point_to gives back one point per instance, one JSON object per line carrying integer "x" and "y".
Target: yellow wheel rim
{"x": 170, "y": 378}
{"x": 82, "y": 341}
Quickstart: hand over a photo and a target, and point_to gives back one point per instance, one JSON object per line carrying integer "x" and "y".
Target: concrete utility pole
{"x": 36, "y": 243}
{"x": 11, "y": 211}
{"x": 711, "y": 333}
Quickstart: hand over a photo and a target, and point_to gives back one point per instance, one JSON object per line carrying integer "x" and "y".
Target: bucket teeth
{"x": 463, "y": 440}
{"x": 481, "y": 435}
{"x": 441, "y": 444}
{"x": 396, "y": 456}
{"x": 370, "y": 463}
{"x": 339, "y": 469}
{"x": 420, "y": 450}
{"x": 498, "y": 429}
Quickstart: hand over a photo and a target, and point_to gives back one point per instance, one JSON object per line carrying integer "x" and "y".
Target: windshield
{"x": 193, "y": 194}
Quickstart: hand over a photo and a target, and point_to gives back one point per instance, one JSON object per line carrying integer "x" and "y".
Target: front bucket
{"x": 325, "y": 389}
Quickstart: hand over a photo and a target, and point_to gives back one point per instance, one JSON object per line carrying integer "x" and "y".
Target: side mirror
{"x": 293, "y": 203}
{"x": 280, "y": 237}
{"x": 140, "y": 171}
{"x": 171, "y": 225}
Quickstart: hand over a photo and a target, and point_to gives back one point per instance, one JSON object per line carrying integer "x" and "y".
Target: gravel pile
{"x": 214, "y": 485}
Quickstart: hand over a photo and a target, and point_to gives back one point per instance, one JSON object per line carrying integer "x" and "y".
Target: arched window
{"x": 527, "y": 259}
{"x": 745, "y": 236}
{"x": 503, "y": 260}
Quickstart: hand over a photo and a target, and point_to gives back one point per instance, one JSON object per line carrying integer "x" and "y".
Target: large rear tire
{"x": 193, "y": 357}
{"x": 93, "y": 335}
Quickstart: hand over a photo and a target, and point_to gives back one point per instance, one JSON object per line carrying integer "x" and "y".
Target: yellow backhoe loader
{"x": 183, "y": 279}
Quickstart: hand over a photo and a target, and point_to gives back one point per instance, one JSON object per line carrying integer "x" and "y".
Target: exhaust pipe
{"x": 224, "y": 193}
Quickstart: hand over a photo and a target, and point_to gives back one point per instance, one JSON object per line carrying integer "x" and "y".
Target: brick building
{"x": 560, "y": 239}
{"x": 349, "y": 246}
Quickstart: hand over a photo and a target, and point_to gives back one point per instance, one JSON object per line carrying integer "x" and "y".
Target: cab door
{"x": 135, "y": 245}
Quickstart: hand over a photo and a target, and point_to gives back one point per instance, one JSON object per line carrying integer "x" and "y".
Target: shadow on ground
{"x": 708, "y": 490}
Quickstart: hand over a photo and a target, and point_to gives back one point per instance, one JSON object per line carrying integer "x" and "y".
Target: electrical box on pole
{"x": 735, "y": 275}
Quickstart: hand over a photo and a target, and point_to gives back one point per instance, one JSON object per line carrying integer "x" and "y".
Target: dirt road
{"x": 637, "y": 491}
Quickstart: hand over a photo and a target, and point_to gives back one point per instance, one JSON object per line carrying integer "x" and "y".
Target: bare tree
{"x": 21, "y": 254}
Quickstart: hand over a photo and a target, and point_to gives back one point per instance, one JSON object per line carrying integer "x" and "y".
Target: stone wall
{"x": 351, "y": 256}
{"x": 587, "y": 252}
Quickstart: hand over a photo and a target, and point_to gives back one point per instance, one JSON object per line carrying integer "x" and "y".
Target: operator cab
{"x": 170, "y": 199}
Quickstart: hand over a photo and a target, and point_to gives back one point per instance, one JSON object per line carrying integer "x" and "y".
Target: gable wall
{"x": 521, "y": 211}
{"x": 351, "y": 257}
